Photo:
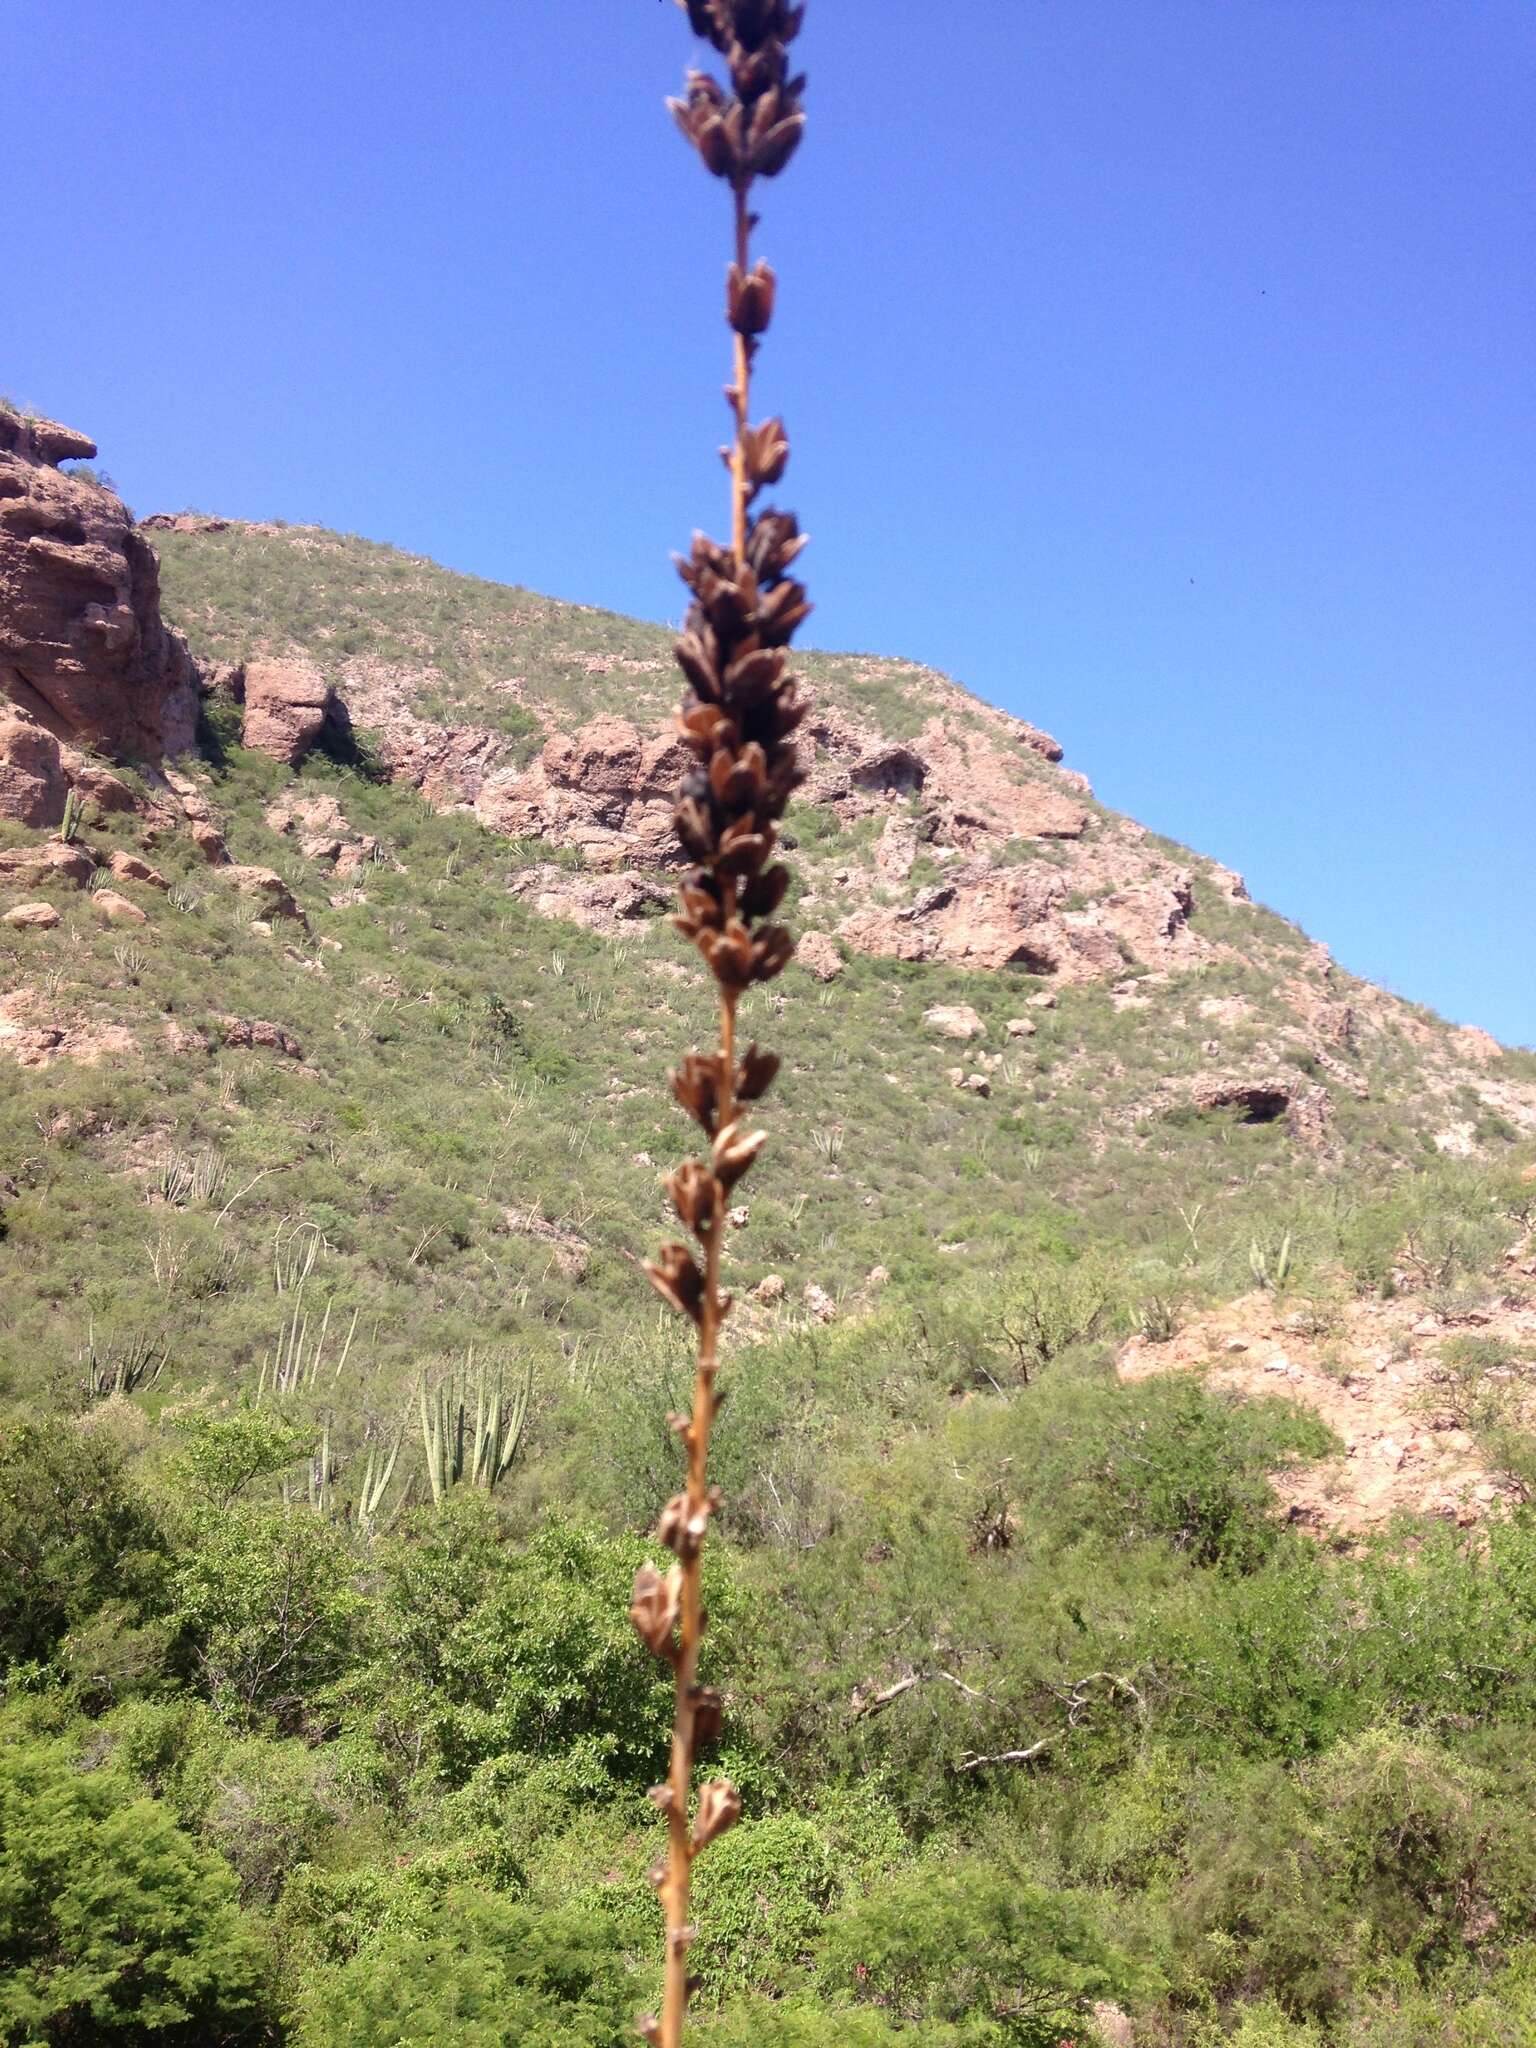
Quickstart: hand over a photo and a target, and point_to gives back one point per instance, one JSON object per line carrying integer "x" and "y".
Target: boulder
{"x": 117, "y": 909}
{"x": 256, "y": 1033}
{"x": 83, "y": 649}
{"x": 287, "y": 704}
{"x": 35, "y": 917}
{"x": 818, "y": 954}
{"x": 51, "y": 860}
{"x": 132, "y": 867}
{"x": 608, "y": 787}
{"x": 954, "y": 1020}
{"x": 269, "y": 890}
{"x": 32, "y": 784}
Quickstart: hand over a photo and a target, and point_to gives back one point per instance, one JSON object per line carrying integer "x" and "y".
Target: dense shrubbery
{"x": 334, "y": 1788}
{"x": 275, "y": 1768}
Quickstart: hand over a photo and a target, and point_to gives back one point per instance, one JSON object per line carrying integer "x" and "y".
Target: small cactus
{"x": 1271, "y": 1274}
{"x": 482, "y": 1452}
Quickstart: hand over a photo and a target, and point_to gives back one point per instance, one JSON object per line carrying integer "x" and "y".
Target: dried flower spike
{"x": 741, "y": 709}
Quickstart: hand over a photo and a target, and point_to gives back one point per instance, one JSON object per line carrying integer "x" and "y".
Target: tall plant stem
{"x": 743, "y": 392}
{"x": 740, "y": 711}
{"x": 676, "y": 1888}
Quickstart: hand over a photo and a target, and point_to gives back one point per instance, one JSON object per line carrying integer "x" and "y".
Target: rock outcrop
{"x": 84, "y": 653}
{"x": 606, "y": 789}
{"x": 287, "y": 707}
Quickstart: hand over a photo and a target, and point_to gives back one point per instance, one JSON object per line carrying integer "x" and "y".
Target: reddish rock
{"x": 954, "y": 1020}
{"x": 83, "y": 649}
{"x": 50, "y": 860}
{"x": 287, "y": 704}
{"x": 608, "y": 788}
{"x": 268, "y": 888}
{"x": 32, "y": 785}
{"x": 818, "y": 954}
{"x": 100, "y": 787}
{"x": 241, "y": 1033}
{"x": 132, "y": 867}
{"x": 1477, "y": 1045}
{"x": 209, "y": 841}
{"x": 37, "y": 917}
{"x": 610, "y": 903}
{"x": 118, "y": 909}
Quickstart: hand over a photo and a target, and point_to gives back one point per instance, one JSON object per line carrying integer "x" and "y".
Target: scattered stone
{"x": 131, "y": 867}
{"x": 118, "y": 909}
{"x": 739, "y": 1217}
{"x": 954, "y": 1020}
{"x": 1022, "y": 1027}
{"x": 1042, "y": 999}
{"x": 181, "y": 1041}
{"x": 1235, "y": 1344}
{"x": 247, "y": 1034}
{"x": 37, "y": 917}
{"x": 978, "y": 1084}
{"x": 818, "y": 953}
{"x": 269, "y": 889}
{"x": 821, "y": 1305}
{"x": 769, "y": 1289}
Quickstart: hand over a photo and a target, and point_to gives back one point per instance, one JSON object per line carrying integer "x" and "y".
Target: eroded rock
{"x": 84, "y": 652}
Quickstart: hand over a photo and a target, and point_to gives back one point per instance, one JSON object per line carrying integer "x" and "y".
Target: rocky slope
{"x": 932, "y": 829}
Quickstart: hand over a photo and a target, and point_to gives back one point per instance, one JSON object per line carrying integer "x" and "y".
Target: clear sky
{"x": 1163, "y": 369}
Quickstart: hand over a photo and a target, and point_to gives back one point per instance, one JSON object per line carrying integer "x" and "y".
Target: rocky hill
{"x": 1121, "y": 1592}
{"x": 377, "y": 887}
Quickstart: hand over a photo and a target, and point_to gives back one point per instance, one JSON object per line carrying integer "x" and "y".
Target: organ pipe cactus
{"x": 482, "y": 1451}
{"x": 741, "y": 708}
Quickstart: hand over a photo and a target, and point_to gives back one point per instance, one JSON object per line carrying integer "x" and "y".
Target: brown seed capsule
{"x": 754, "y": 1074}
{"x": 719, "y": 1809}
{"x": 677, "y": 1279}
{"x": 734, "y": 1151}
{"x": 653, "y": 1609}
{"x": 708, "y": 1713}
{"x": 749, "y": 298}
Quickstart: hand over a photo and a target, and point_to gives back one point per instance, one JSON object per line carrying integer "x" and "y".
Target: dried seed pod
{"x": 719, "y": 1809}
{"x": 653, "y": 1609}
{"x": 677, "y": 1279}
{"x": 708, "y": 1713}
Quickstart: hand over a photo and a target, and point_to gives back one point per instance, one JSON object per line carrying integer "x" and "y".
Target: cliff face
{"x": 86, "y": 660}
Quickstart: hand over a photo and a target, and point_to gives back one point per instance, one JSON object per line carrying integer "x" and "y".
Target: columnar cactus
{"x": 740, "y": 710}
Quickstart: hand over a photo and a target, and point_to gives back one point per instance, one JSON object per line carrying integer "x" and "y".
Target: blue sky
{"x": 1160, "y": 368}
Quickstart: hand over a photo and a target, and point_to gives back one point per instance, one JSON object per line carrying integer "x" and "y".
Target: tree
{"x": 114, "y": 1924}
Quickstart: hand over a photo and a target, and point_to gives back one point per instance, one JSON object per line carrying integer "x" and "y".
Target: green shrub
{"x": 75, "y": 1534}
{"x": 114, "y": 1926}
{"x": 479, "y": 1971}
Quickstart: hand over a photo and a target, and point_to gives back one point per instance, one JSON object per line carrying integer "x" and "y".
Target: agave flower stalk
{"x": 740, "y": 711}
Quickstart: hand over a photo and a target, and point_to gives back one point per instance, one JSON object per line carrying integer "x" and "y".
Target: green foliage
{"x": 762, "y": 1895}
{"x": 266, "y": 1595}
{"x": 1191, "y": 1470}
{"x": 509, "y": 1650}
{"x": 480, "y": 1971}
{"x": 75, "y": 1536}
{"x": 114, "y": 1926}
{"x": 965, "y": 1944}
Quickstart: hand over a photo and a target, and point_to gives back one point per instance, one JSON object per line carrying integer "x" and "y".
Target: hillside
{"x": 1124, "y": 1609}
